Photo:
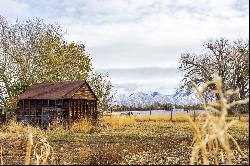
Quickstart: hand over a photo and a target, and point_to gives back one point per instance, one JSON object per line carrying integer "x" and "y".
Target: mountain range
{"x": 145, "y": 99}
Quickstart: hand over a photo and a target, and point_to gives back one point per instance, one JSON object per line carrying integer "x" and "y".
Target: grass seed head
{"x": 214, "y": 130}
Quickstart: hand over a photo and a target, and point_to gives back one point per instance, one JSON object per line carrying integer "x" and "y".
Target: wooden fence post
{"x": 69, "y": 113}
{"x": 194, "y": 115}
{"x": 239, "y": 112}
{"x": 171, "y": 117}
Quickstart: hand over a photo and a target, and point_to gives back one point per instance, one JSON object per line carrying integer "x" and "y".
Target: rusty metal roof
{"x": 52, "y": 90}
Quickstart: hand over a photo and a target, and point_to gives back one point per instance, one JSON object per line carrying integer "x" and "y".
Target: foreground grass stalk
{"x": 28, "y": 149}
{"x": 214, "y": 129}
{"x": 45, "y": 152}
{"x": 1, "y": 151}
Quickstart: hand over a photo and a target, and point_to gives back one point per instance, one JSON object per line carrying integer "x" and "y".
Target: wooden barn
{"x": 1, "y": 110}
{"x": 69, "y": 101}
{"x": 2, "y": 115}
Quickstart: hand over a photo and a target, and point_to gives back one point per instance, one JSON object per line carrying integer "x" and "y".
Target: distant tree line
{"x": 156, "y": 106}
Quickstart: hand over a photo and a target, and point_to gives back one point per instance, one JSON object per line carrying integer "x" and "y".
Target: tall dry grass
{"x": 57, "y": 125}
{"x": 31, "y": 134}
{"x": 134, "y": 119}
{"x": 212, "y": 140}
{"x": 16, "y": 128}
{"x": 82, "y": 126}
{"x": 117, "y": 122}
{"x": 161, "y": 117}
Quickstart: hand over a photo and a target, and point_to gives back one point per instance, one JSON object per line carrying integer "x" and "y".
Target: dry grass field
{"x": 116, "y": 140}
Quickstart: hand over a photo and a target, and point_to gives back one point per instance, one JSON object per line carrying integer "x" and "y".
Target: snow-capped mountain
{"x": 186, "y": 98}
{"x": 143, "y": 99}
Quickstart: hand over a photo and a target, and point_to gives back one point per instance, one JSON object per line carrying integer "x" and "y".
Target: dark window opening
{"x": 46, "y": 102}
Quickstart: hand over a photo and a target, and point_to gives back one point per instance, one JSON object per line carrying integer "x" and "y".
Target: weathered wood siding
{"x": 84, "y": 92}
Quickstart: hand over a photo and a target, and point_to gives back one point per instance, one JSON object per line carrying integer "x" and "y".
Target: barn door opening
{"x": 45, "y": 118}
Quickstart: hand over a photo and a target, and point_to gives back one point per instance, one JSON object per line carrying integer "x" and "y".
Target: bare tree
{"x": 228, "y": 59}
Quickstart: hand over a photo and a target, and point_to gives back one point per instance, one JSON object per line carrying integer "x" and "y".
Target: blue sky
{"x": 139, "y": 42}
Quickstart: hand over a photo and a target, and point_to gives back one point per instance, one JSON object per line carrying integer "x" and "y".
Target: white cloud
{"x": 154, "y": 39}
{"x": 141, "y": 33}
{"x": 13, "y": 8}
{"x": 146, "y": 79}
